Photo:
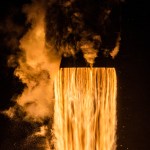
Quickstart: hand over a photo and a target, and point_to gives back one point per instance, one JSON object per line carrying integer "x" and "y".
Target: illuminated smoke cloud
{"x": 38, "y": 63}
{"x": 35, "y": 63}
{"x": 87, "y": 26}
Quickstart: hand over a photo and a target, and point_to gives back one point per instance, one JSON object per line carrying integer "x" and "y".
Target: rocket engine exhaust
{"x": 85, "y": 98}
{"x": 66, "y": 64}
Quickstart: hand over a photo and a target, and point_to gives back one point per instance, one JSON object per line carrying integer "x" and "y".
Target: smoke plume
{"x": 37, "y": 64}
{"x": 48, "y": 31}
{"x": 87, "y": 26}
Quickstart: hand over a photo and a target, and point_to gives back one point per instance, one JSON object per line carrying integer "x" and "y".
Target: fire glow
{"x": 85, "y": 109}
{"x": 81, "y": 101}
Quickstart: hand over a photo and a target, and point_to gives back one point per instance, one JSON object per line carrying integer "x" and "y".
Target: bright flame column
{"x": 85, "y": 109}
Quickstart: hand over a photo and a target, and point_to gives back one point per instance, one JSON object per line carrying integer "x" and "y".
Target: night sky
{"x": 133, "y": 78}
{"x": 132, "y": 66}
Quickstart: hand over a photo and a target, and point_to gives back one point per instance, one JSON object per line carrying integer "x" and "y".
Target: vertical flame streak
{"x": 85, "y": 109}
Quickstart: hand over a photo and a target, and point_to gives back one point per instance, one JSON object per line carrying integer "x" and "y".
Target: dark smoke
{"x": 72, "y": 24}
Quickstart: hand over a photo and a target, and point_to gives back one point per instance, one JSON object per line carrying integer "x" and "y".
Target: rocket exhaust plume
{"x": 85, "y": 109}
{"x": 85, "y": 98}
{"x": 59, "y": 66}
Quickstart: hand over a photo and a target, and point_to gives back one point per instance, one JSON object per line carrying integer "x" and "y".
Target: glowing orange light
{"x": 85, "y": 109}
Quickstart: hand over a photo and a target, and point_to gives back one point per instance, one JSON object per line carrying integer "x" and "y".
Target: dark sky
{"x": 134, "y": 78}
{"x": 133, "y": 82}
